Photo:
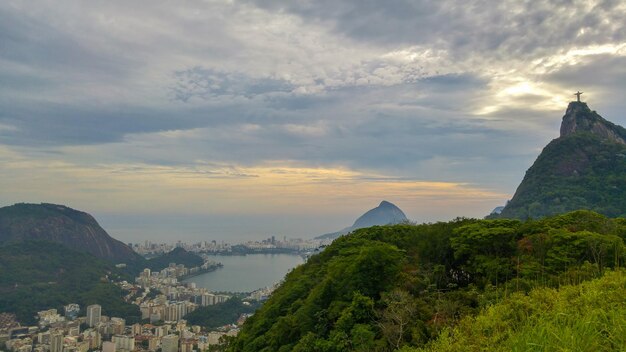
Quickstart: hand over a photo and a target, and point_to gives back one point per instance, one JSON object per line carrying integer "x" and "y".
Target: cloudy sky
{"x": 243, "y": 119}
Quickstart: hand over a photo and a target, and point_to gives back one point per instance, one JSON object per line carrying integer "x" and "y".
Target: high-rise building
{"x": 108, "y": 346}
{"x": 221, "y": 298}
{"x": 124, "y": 343}
{"x": 169, "y": 343}
{"x": 186, "y": 346}
{"x": 73, "y": 330}
{"x": 93, "y": 314}
{"x": 93, "y": 337}
{"x": 136, "y": 329}
{"x": 208, "y": 299}
{"x": 153, "y": 343}
{"x": 118, "y": 325}
{"x": 181, "y": 309}
{"x": 43, "y": 338}
{"x": 161, "y": 331}
{"x": 171, "y": 313}
{"x": 56, "y": 342}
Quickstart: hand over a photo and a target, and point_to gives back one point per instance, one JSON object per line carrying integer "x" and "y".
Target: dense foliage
{"x": 383, "y": 288}
{"x": 580, "y": 171}
{"x": 178, "y": 256}
{"x": 37, "y": 275}
{"x": 586, "y": 317}
{"x": 214, "y": 316}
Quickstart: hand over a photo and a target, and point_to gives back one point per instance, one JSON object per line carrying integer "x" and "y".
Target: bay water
{"x": 246, "y": 273}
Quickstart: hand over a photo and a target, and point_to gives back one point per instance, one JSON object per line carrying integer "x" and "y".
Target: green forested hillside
{"x": 178, "y": 256}
{"x": 214, "y": 316}
{"x": 383, "y": 288}
{"x": 580, "y": 171}
{"x": 37, "y": 275}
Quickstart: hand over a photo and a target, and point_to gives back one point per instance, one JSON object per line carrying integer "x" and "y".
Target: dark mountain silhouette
{"x": 58, "y": 223}
{"x": 385, "y": 213}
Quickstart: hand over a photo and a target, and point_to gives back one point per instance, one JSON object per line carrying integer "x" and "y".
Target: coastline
{"x": 201, "y": 271}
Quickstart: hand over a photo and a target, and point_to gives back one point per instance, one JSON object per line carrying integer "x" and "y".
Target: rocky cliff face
{"x": 585, "y": 168}
{"x": 57, "y": 223}
{"x": 579, "y": 118}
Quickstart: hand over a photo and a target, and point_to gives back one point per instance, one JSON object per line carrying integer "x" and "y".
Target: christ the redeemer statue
{"x": 577, "y": 94}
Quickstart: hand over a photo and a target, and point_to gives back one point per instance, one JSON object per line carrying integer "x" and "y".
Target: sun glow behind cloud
{"x": 517, "y": 85}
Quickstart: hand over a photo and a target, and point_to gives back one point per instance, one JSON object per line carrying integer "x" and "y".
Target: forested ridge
{"x": 176, "y": 256}
{"x": 392, "y": 287}
{"x": 580, "y": 171}
{"x": 217, "y": 315}
{"x": 38, "y": 275}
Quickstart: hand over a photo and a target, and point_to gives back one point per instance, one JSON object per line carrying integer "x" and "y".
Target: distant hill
{"x": 58, "y": 223}
{"x": 38, "y": 275}
{"x": 217, "y": 315}
{"x": 178, "y": 256}
{"x": 497, "y": 210}
{"x": 585, "y": 168}
{"x": 385, "y": 213}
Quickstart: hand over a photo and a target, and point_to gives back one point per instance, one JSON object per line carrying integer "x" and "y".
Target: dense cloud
{"x": 510, "y": 27}
{"x": 465, "y": 93}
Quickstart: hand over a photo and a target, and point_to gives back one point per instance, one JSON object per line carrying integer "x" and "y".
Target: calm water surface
{"x": 246, "y": 273}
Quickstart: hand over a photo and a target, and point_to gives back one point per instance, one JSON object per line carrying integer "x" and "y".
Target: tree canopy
{"x": 390, "y": 287}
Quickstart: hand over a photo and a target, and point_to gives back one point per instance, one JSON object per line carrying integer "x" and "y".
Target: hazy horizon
{"x": 243, "y": 119}
{"x": 239, "y": 228}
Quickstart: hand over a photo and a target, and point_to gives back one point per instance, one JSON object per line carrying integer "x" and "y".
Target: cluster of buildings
{"x": 70, "y": 332}
{"x": 62, "y": 333}
{"x": 173, "y": 300}
{"x": 169, "y": 276}
{"x": 148, "y": 248}
{"x": 264, "y": 293}
{"x": 292, "y": 244}
{"x": 215, "y": 247}
{"x": 163, "y": 303}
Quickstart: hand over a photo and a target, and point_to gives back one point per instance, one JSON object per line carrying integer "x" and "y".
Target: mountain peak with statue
{"x": 584, "y": 168}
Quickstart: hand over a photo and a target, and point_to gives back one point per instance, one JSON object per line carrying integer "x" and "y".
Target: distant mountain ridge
{"x": 57, "y": 223}
{"x": 585, "y": 168}
{"x": 385, "y": 213}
